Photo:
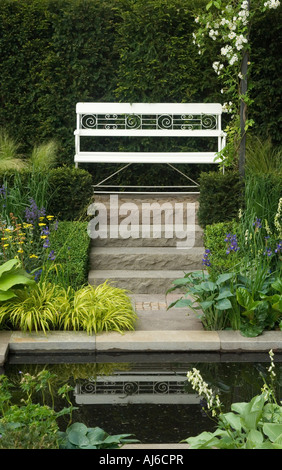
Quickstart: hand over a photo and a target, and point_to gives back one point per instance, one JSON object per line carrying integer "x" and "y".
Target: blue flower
{"x": 232, "y": 243}
{"x": 3, "y": 191}
{"x": 206, "y": 261}
{"x": 37, "y": 275}
{"x": 257, "y": 223}
{"x": 33, "y": 213}
{"x": 52, "y": 255}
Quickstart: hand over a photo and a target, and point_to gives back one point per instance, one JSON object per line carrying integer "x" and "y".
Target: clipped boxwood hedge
{"x": 71, "y": 192}
{"x": 220, "y": 197}
{"x": 214, "y": 241}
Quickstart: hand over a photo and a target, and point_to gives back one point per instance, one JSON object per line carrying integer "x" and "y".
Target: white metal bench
{"x": 148, "y": 120}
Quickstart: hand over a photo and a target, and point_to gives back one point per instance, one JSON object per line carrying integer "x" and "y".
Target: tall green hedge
{"x": 266, "y": 78}
{"x": 53, "y": 54}
{"x": 158, "y": 61}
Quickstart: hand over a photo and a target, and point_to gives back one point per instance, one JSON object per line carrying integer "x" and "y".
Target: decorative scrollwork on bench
{"x": 146, "y": 121}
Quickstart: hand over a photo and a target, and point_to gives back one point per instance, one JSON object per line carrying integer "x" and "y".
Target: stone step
{"x": 147, "y": 235}
{"x": 140, "y": 198}
{"x": 145, "y": 258}
{"x": 143, "y": 242}
{"x": 116, "y": 208}
{"x": 137, "y": 282}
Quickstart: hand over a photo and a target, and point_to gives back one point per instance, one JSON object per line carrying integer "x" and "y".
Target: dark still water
{"x": 147, "y": 396}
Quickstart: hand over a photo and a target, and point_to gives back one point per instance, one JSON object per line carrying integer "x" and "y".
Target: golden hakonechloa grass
{"x": 33, "y": 309}
{"x": 97, "y": 309}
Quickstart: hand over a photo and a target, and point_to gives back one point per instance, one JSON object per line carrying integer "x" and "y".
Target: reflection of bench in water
{"x": 136, "y": 388}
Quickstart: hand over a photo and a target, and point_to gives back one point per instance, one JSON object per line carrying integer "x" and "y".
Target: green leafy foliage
{"x": 246, "y": 426}
{"x": 262, "y": 310}
{"x": 228, "y": 300}
{"x": 35, "y": 426}
{"x": 33, "y": 309}
{"x": 13, "y": 277}
{"x": 157, "y": 59}
{"x": 266, "y": 77}
{"x": 256, "y": 424}
{"x": 70, "y": 244}
{"x": 28, "y": 425}
{"x": 212, "y": 300}
{"x": 63, "y": 54}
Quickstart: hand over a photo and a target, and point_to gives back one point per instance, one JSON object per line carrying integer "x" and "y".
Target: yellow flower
{"x": 41, "y": 224}
{"x": 33, "y": 256}
{"x": 49, "y": 217}
{"x": 5, "y": 245}
{"x": 43, "y": 236}
{"x": 20, "y": 251}
{"x": 41, "y": 218}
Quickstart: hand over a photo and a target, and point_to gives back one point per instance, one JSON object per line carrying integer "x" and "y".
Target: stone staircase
{"x": 144, "y": 251}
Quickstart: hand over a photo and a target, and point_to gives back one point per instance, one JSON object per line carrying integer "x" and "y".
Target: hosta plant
{"x": 12, "y": 276}
{"x": 253, "y": 425}
{"x": 79, "y": 436}
{"x": 212, "y": 300}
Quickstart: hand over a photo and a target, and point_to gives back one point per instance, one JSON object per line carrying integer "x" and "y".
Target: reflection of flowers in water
{"x": 203, "y": 403}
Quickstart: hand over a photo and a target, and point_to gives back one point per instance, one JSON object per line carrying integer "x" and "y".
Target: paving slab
{"x": 156, "y": 319}
{"x": 164, "y": 341}
{"x": 155, "y": 446}
{"x": 55, "y": 341}
{"x": 158, "y": 330}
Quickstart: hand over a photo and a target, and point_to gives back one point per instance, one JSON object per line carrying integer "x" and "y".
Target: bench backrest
{"x": 149, "y": 119}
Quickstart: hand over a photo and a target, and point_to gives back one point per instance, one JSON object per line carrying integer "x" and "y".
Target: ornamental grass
{"x": 47, "y": 306}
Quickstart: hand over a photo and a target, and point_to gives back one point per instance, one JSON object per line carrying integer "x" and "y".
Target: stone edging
{"x": 138, "y": 341}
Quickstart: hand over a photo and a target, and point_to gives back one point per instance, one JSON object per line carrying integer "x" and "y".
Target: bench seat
{"x": 145, "y": 157}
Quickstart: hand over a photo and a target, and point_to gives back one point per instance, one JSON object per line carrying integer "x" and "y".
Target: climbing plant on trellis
{"x": 229, "y": 23}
